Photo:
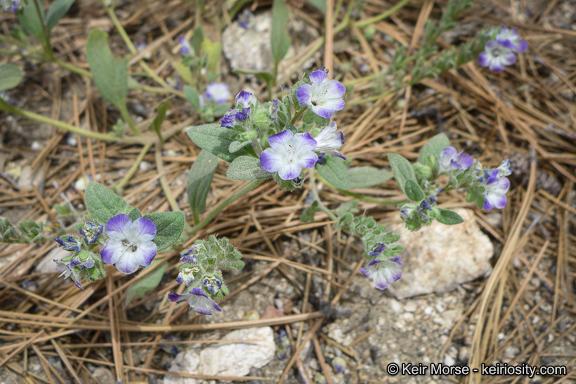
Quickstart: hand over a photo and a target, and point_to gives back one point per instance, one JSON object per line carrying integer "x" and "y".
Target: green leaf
{"x": 433, "y": 147}
{"x": 364, "y": 177}
{"x": 10, "y": 76}
{"x": 413, "y": 190}
{"x": 192, "y": 97}
{"x": 103, "y": 204}
{"x": 402, "y": 170}
{"x": 134, "y": 214}
{"x": 110, "y": 75}
{"x": 334, "y": 171}
{"x": 246, "y": 168}
{"x": 56, "y": 12}
{"x": 147, "y": 283}
{"x": 197, "y": 39}
{"x": 183, "y": 71}
{"x": 215, "y": 139}
{"x": 265, "y": 76}
{"x": 199, "y": 180}
{"x": 214, "y": 51}
{"x": 319, "y": 4}
{"x": 235, "y": 146}
{"x": 448, "y": 217}
{"x": 279, "y": 36}
{"x": 169, "y": 227}
{"x": 160, "y": 116}
{"x": 308, "y": 214}
{"x": 31, "y": 21}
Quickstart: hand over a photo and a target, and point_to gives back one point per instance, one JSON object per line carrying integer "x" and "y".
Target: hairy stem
{"x": 314, "y": 190}
{"x": 298, "y": 114}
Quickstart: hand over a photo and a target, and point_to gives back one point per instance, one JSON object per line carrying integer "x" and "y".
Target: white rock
{"x": 396, "y": 306}
{"x": 438, "y": 258}
{"x": 234, "y": 359}
{"x": 449, "y": 360}
{"x": 29, "y": 178}
{"x": 47, "y": 265}
{"x": 251, "y": 48}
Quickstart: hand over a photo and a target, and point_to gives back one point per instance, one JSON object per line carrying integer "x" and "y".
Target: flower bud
{"x": 338, "y": 364}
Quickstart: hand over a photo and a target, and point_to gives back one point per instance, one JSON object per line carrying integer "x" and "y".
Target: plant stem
{"x": 314, "y": 190}
{"x": 298, "y": 114}
{"x": 135, "y": 166}
{"x": 163, "y": 180}
{"x": 132, "y": 48}
{"x": 68, "y": 127}
{"x": 241, "y": 192}
{"x": 128, "y": 118}
{"x": 72, "y": 68}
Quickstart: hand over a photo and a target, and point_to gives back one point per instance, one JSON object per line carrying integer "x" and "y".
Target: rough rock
{"x": 103, "y": 375}
{"x": 47, "y": 265}
{"x": 438, "y": 258}
{"x": 234, "y": 359}
{"x": 251, "y": 48}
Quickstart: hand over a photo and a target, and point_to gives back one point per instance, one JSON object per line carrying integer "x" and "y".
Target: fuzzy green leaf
{"x": 449, "y": 217}
{"x": 134, "y": 214}
{"x": 215, "y": 139}
{"x": 402, "y": 170}
{"x": 103, "y": 204}
{"x": 199, "y": 180}
{"x": 433, "y": 147}
{"x": 192, "y": 96}
{"x": 147, "y": 283}
{"x": 279, "y": 35}
{"x": 110, "y": 75}
{"x": 334, "y": 171}
{"x": 246, "y": 168}
{"x": 169, "y": 227}
{"x": 364, "y": 177}
{"x": 57, "y": 11}
{"x": 160, "y": 116}
{"x": 413, "y": 190}
{"x": 10, "y": 76}
{"x": 32, "y": 21}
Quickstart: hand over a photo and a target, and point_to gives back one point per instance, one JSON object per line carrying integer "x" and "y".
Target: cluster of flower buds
{"x": 246, "y": 19}
{"x": 501, "y": 51}
{"x": 82, "y": 263}
{"x": 201, "y": 271}
{"x": 486, "y": 187}
{"x": 383, "y": 261}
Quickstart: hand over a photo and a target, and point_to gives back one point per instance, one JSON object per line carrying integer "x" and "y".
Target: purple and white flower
{"x": 497, "y": 55}
{"x": 185, "y": 47}
{"x": 383, "y": 273}
{"x": 406, "y": 211}
{"x": 67, "y": 271}
{"x": 69, "y": 243}
{"x": 246, "y": 19}
{"x": 496, "y": 188}
{"x": 329, "y": 140}
{"x": 451, "y": 160}
{"x": 229, "y": 119}
{"x": 218, "y": 92}
{"x": 198, "y": 301}
{"x": 212, "y": 284}
{"x": 380, "y": 247}
{"x": 187, "y": 274}
{"x": 129, "y": 243}
{"x": 91, "y": 232}
{"x": 289, "y": 153}
{"x": 11, "y": 5}
{"x": 189, "y": 256}
{"x": 323, "y": 96}
{"x": 505, "y": 168}
{"x": 511, "y": 35}
{"x": 245, "y": 99}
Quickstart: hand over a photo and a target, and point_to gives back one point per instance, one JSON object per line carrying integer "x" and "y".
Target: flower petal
{"x": 281, "y": 140}
{"x": 143, "y": 229}
{"x": 143, "y": 256}
{"x": 112, "y": 251}
{"x": 117, "y": 227}
{"x": 289, "y": 171}
{"x": 317, "y": 77}
{"x": 304, "y": 94}
{"x": 336, "y": 89}
{"x": 271, "y": 160}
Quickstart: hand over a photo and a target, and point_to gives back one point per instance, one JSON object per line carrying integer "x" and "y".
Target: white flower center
{"x": 132, "y": 246}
